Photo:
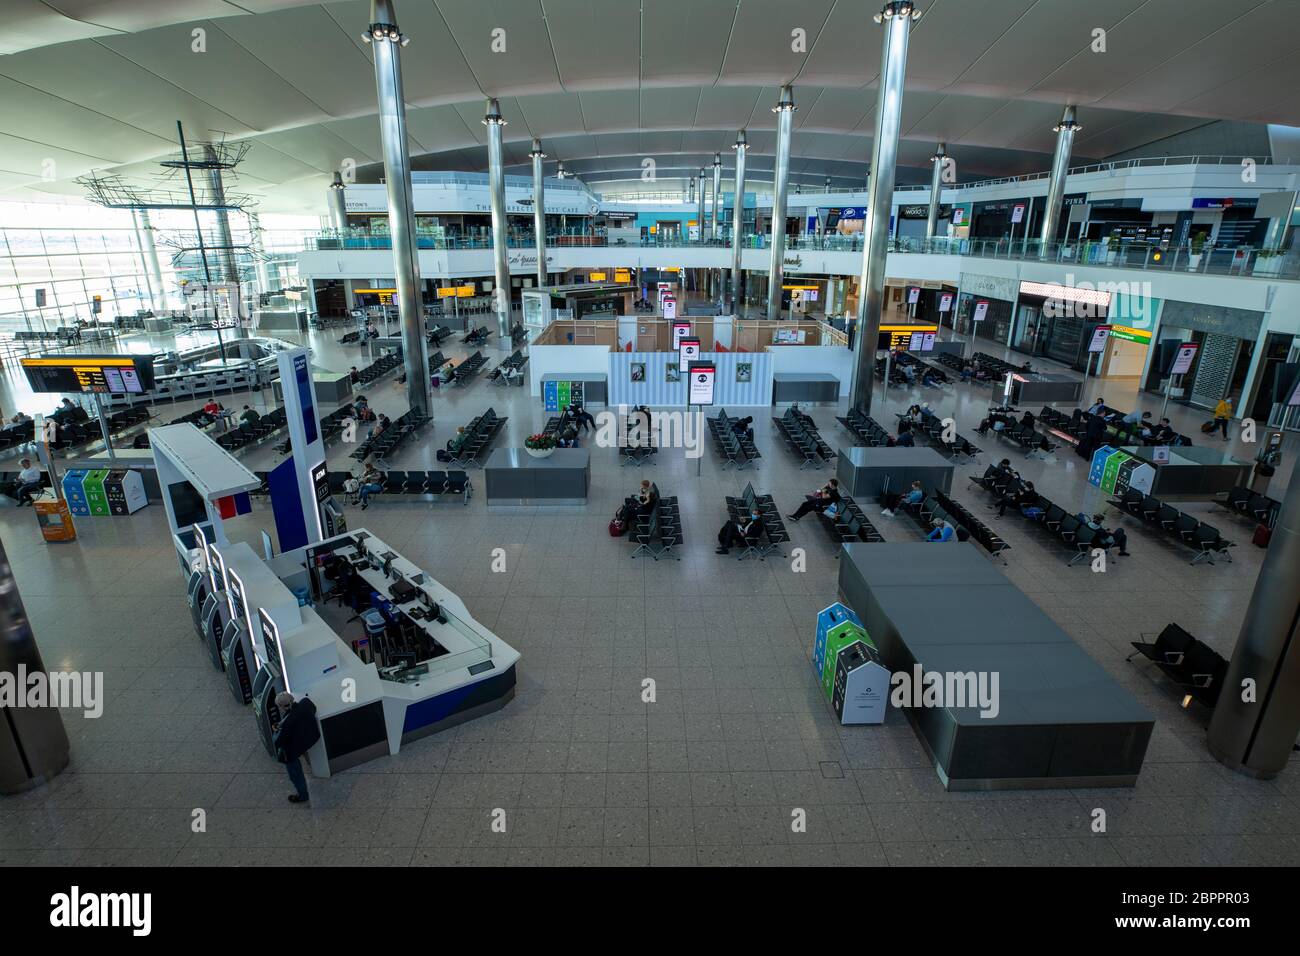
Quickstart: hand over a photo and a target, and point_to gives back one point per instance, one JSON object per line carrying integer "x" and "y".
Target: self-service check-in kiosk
{"x": 216, "y": 607}
{"x": 266, "y": 687}
{"x": 250, "y": 585}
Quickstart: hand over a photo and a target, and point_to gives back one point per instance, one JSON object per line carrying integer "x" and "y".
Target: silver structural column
{"x": 784, "y": 111}
{"x": 741, "y": 147}
{"x": 1065, "y": 131}
{"x": 336, "y": 202}
{"x": 33, "y": 742}
{"x": 259, "y": 254}
{"x": 539, "y": 210}
{"x": 699, "y": 198}
{"x": 936, "y": 189}
{"x": 153, "y": 271}
{"x": 388, "y": 41}
{"x": 828, "y": 184}
{"x": 717, "y": 195}
{"x": 897, "y": 16}
{"x": 497, "y": 193}
{"x": 226, "y": 254}
{"x": 1256, "y": 737}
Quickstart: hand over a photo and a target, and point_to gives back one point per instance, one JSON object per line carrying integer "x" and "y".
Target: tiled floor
{"x": 715, "y": 771}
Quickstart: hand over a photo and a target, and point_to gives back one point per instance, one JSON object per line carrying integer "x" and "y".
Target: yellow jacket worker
{"x": 1222, "y": 414}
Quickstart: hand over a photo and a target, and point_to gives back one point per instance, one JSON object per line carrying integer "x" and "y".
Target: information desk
{"x": 513, "y": 477}
{"x": 862, "y": 471}
{"x": 1193, "y": 472}
{"x": 1044, "y": 388}
{"x": 820, "y": 388}
{"x": 418, "y": 660}
{"x": 1061, "y": 720}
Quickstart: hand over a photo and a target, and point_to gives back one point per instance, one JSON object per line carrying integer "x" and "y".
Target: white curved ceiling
{"x": 93, "y": 84}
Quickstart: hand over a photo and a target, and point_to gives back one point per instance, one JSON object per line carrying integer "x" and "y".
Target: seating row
{"x": 1054, "y": 519}
{"x": 936, "y": 430}
{"x": 636, "y": 442}
{"x": 476, "y": 336}
{"x": 437, "y": 335}
{"x": 1021, "y": 431}
{"x": 384, "y": 443}
{"x": 1197, "y": 668}
{"x": 659, "y": 532}
{"x": 849, "y": 523}
{"x": 379, "y": 367}
{"x": 773, "y": 534}
{"x": 440, "y": 484}
{"x": 466, "y": 370}
{"x": 1075, "y": 426}
{"x": 803, "y": 439}
{"x": 940, "y": 505}
{"x": 1252, "y": 506}
{"x": 736, "y": 448}
{"x": 510, "y": 370}
{"x": 518, "y": 334}
{"x": 865, "y": 428}
{"x": 479, "y": 435}
{"x": 1179, "y": 525}
{"x": 249, "y": 433}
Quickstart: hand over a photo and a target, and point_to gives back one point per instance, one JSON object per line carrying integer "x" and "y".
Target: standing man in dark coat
{"x": 297, "y": 734}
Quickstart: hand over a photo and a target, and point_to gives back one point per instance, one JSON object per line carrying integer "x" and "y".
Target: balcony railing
{"x": 1207, "y": 260}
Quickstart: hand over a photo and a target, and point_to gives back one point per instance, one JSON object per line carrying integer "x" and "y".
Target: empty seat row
{"x": 249, "y": 433}
{"x": 865, "y": 428}
{"x": 936, "y": 429}
{"x": 466, "y": 370}
{"x": 440, "y": 484}
{"x": 1197, "y": 668}
{"x": 1252, "y": 506}
{"x": 380, "y": 367}
{"x": 803, "y": 439}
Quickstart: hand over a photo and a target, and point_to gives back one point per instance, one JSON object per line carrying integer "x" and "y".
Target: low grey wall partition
{"x": 1061, "y": 721}
{"x": 862, "y": 471}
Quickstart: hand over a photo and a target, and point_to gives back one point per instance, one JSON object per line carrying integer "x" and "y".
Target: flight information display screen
{"x": 102, "y": 374}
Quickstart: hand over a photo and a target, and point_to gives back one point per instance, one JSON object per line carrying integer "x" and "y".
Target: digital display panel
{"x": 92, "y": 374}
{"x": 271, "y": 640}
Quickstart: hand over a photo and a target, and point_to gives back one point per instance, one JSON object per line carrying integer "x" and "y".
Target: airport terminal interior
{"x": 570, "y": 433}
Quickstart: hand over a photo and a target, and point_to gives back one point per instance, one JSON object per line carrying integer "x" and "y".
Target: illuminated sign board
{"x": 596, "y": 277}
{"x": 703, "y": 376}
{"x": 1054, "y": 290}
{"x": 97, "y": 374}
{"x": 1130, "y": 334}
{"x": 896, "y": 337}
{"x": 688, "y": 351}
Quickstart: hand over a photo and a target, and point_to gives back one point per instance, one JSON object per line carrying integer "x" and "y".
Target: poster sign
{"x": 1099, "y": 336}
{"x": 945, "y": 302}
{"x": 913, "y": 295}
{"x": 927, "y": 342}
{"x": 1018, "y": 212}
{"x": 703, "y": 375}
{"x": 688, "y": 351}
{"x": 1160, "y": 454}
{"x": 670, "y": 307}
{"x": 680, "y": 331}
{"x": 981, "y": 310}
{"x": 1184, "y": 359}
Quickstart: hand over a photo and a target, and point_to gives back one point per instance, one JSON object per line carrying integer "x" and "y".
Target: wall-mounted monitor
{"x": 103, "y": 374}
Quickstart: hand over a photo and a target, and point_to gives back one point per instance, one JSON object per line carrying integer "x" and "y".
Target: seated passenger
{"x": 905, "y": 437}
{"x": 1107, "y": 539}
{"x": 941, "y": 531}
{"x": 914, "y": 496}
{"x": 738, "y": 534}
{"x": 821, "y": 499}
{"x": 457, "y": 441}
{"x": 371, "y": 483}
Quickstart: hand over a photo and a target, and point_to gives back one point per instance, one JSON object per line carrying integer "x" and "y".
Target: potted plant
{"x": 540, "y": 445}
{"x": 1197, "y": 247}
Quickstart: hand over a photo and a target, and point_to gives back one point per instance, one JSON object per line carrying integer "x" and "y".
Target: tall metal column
{"x": 149, "y": 251}
{"x": 336, "y": 203}
{"x": 497, "y": 193}
{"x": 1256, "y": 737}
{"x": 260, "y": 267}
{"x": 33, "y": 742}
{"x": 741, "y": 147}
{"x": 717, "y": 195}
{"x": 784, "y": 111}
{"x": 936, "y": 188}
{"x": 1065, "y": 131}
{"x": 828, "y": 184}
{"x": 539, "y": 210}
{"x": 226, "y": 253}
{"x": 388, "y": 41}
{"x": 699, "y": 197}
{"x": 897, "y": 16}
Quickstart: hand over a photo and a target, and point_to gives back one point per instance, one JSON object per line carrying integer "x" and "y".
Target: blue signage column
{"x": 305, "y": 440}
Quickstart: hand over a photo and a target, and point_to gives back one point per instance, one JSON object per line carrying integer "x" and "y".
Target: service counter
{"x": 511, "y": 476}
{"x": 1193, "y": 472}
{"x": 1045, "y": 388}
{"x": 863, "y": 471}
{"x": 806, "y": 388}
{"x": 417, "y": 659}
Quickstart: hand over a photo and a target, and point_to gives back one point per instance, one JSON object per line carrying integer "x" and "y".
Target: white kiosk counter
{"x": 386, "y": 653}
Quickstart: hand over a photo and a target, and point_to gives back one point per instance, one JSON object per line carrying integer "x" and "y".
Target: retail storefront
{"x": 1227, "y": 339}
{"x": 985, "y": 306}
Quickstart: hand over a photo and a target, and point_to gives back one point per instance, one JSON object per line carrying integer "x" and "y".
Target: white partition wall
{"x": 743, "y": 378}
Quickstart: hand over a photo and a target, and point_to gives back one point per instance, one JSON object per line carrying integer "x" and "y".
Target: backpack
{"x": 617, "y": 527}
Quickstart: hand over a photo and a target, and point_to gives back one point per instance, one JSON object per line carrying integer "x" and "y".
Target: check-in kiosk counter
{"x": 471, "y": 670}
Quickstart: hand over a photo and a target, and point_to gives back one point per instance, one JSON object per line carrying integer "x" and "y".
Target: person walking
{"x": 1222, "y": 415}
